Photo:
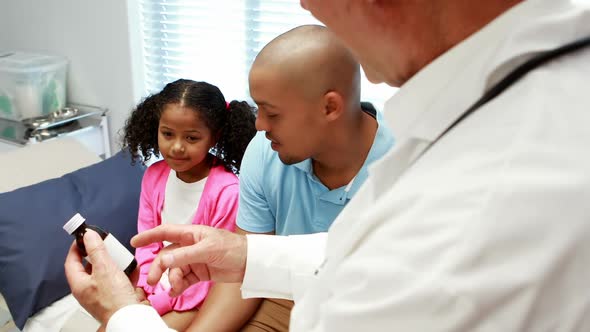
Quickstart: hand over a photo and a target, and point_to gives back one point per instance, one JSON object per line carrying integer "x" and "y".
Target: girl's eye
{"x": 192, "y": 138}
{"x": 166, "y": 134}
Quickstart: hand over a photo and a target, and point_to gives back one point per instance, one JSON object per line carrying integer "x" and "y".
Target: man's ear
{"x": 333, "y": 106}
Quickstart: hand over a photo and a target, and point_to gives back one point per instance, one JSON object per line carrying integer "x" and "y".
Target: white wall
{"x": 93, "y": 35}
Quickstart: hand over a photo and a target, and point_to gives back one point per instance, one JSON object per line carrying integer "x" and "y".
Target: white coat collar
{"x": 437, "y": 95}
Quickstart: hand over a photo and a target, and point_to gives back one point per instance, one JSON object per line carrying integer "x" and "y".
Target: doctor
{"x": 476, "y": 221}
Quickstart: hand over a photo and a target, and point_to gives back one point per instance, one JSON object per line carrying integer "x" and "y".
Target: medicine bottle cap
{"x": 74, "y": 223}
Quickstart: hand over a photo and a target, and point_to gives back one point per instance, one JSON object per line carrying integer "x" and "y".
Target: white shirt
{"x": 489, "y": 230}
{"x": 181, "y": 200}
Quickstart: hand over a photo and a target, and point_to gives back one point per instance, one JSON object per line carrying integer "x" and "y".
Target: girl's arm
{"x": 146, "y": 220}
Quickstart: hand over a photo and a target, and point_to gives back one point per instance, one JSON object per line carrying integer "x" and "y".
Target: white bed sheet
{"x": 55, "y": 317}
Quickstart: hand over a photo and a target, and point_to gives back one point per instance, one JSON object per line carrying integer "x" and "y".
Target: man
{"x": 483, "y": 227}
{"x": 308, "y": 160}
{"x": 311, "y": 155}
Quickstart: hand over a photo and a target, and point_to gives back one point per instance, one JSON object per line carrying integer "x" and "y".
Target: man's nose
{"x": 261, "y": 123}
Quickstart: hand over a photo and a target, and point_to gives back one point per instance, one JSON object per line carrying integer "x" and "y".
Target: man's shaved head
{"x": 311, "y": 59}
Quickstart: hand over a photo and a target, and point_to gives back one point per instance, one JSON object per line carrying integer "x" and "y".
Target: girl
{"x": 202, "y": 140}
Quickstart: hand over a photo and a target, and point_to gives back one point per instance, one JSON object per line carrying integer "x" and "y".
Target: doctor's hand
{"x": 202, "y": 253}
{"x": 103, "y": 290}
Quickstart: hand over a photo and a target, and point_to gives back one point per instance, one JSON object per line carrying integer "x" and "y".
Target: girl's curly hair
{"x": 233, "y": 123}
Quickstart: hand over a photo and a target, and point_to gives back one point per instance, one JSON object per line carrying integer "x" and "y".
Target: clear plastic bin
{"x": 31, "y": 84}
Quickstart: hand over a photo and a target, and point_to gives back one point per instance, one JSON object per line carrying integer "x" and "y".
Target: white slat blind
{"x": 217, "y": 40}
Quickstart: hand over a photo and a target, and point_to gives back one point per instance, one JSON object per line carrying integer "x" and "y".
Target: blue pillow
{"x": 33, "y": 245}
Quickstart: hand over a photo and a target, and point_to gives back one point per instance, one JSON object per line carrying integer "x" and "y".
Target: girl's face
{"x": 184, "y": 142}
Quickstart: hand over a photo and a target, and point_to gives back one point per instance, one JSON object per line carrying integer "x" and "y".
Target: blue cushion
{"x": 33, "y": 245}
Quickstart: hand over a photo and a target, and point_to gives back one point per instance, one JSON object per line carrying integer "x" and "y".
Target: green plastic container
{"x": 31, "y": 84}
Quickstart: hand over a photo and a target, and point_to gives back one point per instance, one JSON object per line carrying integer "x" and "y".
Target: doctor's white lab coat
{"x": 488, "y": 231}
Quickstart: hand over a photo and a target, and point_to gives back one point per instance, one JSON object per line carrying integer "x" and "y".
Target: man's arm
{"x": 224, "y": 309}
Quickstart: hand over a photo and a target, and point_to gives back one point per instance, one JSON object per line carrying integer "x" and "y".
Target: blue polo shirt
{"x": 290, "y": 199}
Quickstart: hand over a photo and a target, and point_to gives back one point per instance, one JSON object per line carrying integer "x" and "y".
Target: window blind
{"x": 217, "y": 40}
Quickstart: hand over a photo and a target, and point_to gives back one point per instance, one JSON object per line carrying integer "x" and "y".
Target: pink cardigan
{"x": 218, "y": 208}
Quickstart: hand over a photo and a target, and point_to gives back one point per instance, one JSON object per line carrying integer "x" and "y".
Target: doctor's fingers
{"x": 98, "y": 256}
{"x": 156, "y": 271}
{"x": 160, "y": 263}
{"x": 196, "y": 254}
{"x": 76, "y": 274}
{"x": 183, "y": 234}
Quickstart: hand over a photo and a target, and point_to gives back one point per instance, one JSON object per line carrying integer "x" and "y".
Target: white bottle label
{"x": 120, "y": 255}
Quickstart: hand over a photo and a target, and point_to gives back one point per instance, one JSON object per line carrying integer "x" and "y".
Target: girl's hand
{"x": 140, "y": 294}
{"x": 134, "y": 276}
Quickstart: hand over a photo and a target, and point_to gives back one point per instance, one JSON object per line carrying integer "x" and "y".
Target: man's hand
{"x": 204, "y": 253}
{"x": 103, "y": 290}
